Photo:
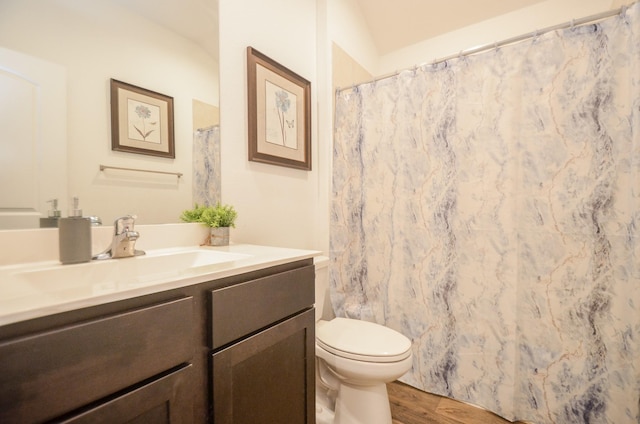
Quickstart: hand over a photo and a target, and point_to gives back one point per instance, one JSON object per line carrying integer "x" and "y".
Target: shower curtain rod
{"x": 570, "y": 24}
{"x": 210, "y": 127}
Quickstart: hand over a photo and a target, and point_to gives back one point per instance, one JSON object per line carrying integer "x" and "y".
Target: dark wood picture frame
{"x": 279, "y": 113}
{"x": 141, "y": 121}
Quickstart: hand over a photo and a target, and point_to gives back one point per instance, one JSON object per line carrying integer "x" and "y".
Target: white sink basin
{"x": 105, "y": 275}
{"x": 37, "y": 289}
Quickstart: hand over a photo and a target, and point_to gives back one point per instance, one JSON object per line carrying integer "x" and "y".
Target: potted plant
{"x": 218, "y": 218}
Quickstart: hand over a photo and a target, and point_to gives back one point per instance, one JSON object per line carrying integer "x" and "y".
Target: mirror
{"x": 168, "y": 47}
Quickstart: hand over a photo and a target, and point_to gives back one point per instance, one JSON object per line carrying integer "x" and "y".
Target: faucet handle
{"x": 124, "y": 223}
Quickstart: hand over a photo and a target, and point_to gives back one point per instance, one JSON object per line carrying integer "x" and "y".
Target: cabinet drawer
{"x": 48, "y": 374}
{"x": 247, "y": 307}
{"x": 164, "y": 400}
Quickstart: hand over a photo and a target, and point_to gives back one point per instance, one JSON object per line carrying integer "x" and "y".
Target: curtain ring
{"x": 573, "y": 24}
{"x": 623, "y": 13}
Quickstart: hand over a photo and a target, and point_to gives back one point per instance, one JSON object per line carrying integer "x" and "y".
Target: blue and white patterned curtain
{"x": 206, "y": 166}
{"x": 489, "y": 209}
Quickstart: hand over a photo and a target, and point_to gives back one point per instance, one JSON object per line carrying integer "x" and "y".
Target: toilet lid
{"x": 362, "y": 340}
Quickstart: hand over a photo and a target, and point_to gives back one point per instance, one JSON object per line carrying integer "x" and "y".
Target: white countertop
{"x": 23, "y": 298}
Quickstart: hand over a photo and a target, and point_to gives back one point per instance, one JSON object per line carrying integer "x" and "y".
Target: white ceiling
{"x": 196, "y": 20}
{"x": 399, "y": 23}
{"x": 393, "y": 23}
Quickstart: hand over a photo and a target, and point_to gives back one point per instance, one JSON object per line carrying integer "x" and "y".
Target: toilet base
{"x": 325, "y": 405}
{"x": 362, "y": 405}
{"x": 324, "y": 415}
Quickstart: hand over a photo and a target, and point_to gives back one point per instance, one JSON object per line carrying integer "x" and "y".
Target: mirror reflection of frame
{"x": 141, "y": 121}
{"x": 136, "y": 41}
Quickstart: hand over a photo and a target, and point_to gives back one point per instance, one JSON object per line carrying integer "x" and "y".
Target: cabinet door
{"x": 48, "y": 374}
{"x": 166, "y": 400}
{"x": 268, "y": 378}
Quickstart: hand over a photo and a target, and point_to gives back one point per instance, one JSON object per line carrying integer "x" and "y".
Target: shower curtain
{"x": 489, "y": 209}
{"x": 206, "y": 166}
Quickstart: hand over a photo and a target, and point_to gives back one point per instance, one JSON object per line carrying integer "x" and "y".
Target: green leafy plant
{"x": 192, "y": 215}
{"x": 211, "y": 216}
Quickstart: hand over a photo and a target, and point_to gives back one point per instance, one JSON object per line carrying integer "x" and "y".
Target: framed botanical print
{"x": 279, "y": 113}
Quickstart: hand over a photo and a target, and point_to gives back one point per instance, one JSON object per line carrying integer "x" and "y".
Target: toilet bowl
{"x": 354, "y": 361}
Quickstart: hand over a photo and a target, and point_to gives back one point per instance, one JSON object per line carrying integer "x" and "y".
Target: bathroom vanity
{"x": 230, "y": 342}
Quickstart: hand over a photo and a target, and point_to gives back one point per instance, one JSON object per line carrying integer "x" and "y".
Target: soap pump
{"x": 54, "y": 215}
{"x": 74, "y": 236}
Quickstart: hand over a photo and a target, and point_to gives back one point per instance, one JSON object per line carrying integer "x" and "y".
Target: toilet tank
{"x": 323, "y": 301}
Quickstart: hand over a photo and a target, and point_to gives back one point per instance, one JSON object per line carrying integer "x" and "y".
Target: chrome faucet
{"x": 124, "y": 240}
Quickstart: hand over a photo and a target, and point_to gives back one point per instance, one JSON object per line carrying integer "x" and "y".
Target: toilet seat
{"x": 362, "y": 340}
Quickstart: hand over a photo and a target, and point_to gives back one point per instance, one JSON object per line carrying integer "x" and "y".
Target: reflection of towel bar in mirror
{"x": 103, "y": 167}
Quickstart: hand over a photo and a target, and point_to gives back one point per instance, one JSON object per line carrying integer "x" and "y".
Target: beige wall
{"x": 619, "y": 3}
{"x": 346, "y": 71}
{"x": 347, "y": 27}
{"x": 205, "y": 115}
{"x": 276, "y": 205}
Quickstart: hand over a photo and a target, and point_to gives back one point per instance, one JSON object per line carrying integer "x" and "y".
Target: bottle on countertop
{"x": 74, "y": 236}
{"x": 54, "y": 215}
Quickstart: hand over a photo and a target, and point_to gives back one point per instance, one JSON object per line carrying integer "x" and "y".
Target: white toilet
{"x": 354, "y": 361}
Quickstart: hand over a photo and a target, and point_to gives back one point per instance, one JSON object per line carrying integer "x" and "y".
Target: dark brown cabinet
{"x": 267, "y": 378}
{"x": 234, "y": 350}
{"x": 263, "y": 335}
{"x": 47, "y": 374}
{"x": 163, "y": 400}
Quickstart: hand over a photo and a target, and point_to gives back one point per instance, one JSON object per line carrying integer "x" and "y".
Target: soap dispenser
{"x": 54, "y": 215}
{"x": 74, "y": 237}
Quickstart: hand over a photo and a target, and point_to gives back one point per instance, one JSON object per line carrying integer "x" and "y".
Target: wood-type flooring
{"x": 412, "y": 406}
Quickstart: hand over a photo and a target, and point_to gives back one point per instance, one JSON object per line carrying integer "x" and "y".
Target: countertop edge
{"x": 261, "y": 257}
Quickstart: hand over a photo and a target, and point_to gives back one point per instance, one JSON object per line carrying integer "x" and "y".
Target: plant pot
{"x": 219, "y": 236}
